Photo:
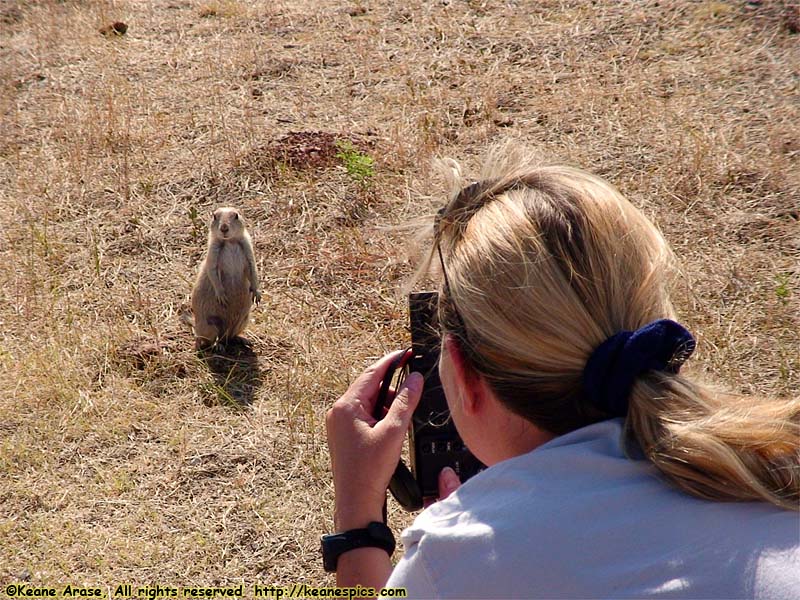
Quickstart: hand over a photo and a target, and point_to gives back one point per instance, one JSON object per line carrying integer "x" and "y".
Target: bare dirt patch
{"x": 310, "y": 151}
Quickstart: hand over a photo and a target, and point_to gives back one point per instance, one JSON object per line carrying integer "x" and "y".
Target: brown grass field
{"x": 127, "y": 458}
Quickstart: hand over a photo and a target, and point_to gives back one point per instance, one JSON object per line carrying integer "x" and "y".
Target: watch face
{"x": 331, "y": 549}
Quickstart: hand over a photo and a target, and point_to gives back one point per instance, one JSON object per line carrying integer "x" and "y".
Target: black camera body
{"x": 434, "y": 440}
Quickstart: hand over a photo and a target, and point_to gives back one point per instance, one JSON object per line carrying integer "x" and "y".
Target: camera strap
{"x": 402, "y": 485}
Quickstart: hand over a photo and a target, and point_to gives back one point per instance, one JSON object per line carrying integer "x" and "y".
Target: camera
{"x": 433, "y": 439}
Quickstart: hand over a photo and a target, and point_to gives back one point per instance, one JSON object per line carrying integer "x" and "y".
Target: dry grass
{"x": 126, "y": 458}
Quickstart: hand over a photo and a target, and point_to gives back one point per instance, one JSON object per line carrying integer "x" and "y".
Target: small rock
{"x": 115, "y": 28}
{"x": 504, "y": 121}
{"x": 789, "y": 145}
{"x": 10, "y": 15}
{"x": 791, "y": 19}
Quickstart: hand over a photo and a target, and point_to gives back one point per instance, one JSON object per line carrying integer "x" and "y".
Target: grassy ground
{"x": 126, "y": 458}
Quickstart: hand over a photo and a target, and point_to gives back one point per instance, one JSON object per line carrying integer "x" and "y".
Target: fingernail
{"x": 449, "y": 479}
{"x": 414, "y": 382}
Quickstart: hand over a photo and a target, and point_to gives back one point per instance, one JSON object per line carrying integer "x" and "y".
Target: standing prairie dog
{"x": 227, "y": 284}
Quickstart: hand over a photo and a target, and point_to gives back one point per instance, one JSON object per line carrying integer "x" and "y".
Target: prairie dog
{"x": 227, "y": 284}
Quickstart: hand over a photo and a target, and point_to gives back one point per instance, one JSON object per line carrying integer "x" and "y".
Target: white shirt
{"x": 576, "y": 518}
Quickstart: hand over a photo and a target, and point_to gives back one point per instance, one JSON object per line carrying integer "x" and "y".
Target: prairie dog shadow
{"x": 237, "y": 375}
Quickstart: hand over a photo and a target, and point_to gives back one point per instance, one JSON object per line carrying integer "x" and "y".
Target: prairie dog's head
{"x": 226, "y": 224}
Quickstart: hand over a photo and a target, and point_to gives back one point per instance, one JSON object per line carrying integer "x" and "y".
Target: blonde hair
{"x": 544, "y": 263}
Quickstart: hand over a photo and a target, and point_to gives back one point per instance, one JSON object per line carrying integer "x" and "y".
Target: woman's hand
{"x": 364, "y": 452}
{"x": 448, "y": 482}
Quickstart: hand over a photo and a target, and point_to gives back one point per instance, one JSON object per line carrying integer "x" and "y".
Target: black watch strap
{"x": 374, "y": 535}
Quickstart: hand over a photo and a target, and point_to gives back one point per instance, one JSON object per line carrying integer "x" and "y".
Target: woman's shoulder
{"x": 578, "y": 510}
{"x": 588, "y": 474}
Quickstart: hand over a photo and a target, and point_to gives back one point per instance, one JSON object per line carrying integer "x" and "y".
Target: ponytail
{"x": 718, "y": 446}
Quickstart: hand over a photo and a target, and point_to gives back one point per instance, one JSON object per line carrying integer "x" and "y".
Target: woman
{"x": 610, "y": 473}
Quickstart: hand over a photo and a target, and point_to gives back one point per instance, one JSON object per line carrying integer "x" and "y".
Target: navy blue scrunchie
{"x": 615, "y": 364}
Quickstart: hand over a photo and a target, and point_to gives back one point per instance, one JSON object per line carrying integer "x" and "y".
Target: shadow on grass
{"x": 237, "y": 375}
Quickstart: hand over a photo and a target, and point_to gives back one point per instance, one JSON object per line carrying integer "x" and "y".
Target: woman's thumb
{"x": 448, "y": 482}
{"x": 405, "y": 402}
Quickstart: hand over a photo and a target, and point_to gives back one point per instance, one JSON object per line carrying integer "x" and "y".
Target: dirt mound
{"x": 301, "y": 151}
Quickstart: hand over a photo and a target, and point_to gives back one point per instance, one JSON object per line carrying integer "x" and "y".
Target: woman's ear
{"x": 469, "y": 382}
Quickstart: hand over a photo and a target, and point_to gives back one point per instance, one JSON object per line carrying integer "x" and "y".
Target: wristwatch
{"x": 374, "y": 535}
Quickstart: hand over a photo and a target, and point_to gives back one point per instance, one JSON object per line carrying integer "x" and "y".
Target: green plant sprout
{"x": 359, "y": 166}
{"x": 197, "y": 226}
{"x": 782, "y": 290}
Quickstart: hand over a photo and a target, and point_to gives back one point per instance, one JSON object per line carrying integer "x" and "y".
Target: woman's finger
{"x": 448, "y": 482}
{"x": 365, "y": 389}
{"x": 405, "y": 401}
